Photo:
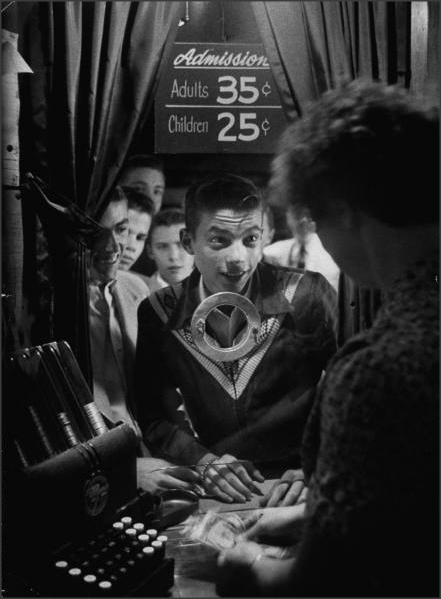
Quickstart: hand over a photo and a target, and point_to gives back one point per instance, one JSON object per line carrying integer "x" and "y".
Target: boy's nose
{"x": 106, "y": 242}
{"x": 131, "y": 246}
{"x": 174, "y": 254}
{"x": 112, "y": 243}
{"x": 236, "y": 254}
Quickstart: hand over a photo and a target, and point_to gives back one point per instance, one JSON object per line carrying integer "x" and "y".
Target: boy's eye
{"x": 121, "y": 229}
{"x": 217, "y": 240}
{"x": 252, "y": 239}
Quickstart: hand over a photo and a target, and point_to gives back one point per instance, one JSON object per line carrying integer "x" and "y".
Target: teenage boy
{"x": 114, "y": 296}
{"x": 145, "y": 173}
{"x": 197, "y": 411}
{"x": 140, "y": 213}
{"x": 164, "y": 246}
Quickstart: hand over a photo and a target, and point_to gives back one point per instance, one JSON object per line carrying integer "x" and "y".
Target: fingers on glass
{"x": 277, "y": 493}
{"x": 293, "y": 493}
{"x": 228, "y": 482}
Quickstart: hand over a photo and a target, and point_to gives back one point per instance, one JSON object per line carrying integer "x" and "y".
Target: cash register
{"x": 74, "y": 522}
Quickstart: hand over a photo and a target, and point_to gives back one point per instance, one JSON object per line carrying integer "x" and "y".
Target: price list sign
{"x": 217, "y": 98}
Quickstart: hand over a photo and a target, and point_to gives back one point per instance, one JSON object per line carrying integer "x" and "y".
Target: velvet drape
{"x": 96, "y": 65}
{"x": 313, "y": 46}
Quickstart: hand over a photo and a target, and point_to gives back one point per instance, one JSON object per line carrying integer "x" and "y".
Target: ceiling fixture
{"x": 186, "y": 18}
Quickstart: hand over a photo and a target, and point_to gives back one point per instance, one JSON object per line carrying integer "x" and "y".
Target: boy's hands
{"x": 289, "y": 490}
{"x": 153, "y": 476}
{"x": 229, "y": 479}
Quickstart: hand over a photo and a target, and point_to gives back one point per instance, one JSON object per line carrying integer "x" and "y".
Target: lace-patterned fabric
{"x": 371, "y": 446}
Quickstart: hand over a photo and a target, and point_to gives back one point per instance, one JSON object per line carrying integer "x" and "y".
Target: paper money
{"x": 222, "y": 531}
{"x": 212, "y": 528}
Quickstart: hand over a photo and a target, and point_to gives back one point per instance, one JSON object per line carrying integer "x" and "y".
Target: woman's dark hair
{"x": 373, "y": 146}
{"x": 224, "y": 191}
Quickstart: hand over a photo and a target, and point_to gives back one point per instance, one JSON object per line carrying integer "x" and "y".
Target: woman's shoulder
{"x": 370, "y": 374}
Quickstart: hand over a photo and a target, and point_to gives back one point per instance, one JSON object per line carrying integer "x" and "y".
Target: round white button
{"x": 74, "y": 571}
{"x": 105, "y": 584}
{"x": 131, "y": 532}
{"x": 144, "y": 538}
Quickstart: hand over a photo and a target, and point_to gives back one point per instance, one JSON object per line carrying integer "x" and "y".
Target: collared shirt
{"x": 287, "y": 252}
{"x": 108, "y": 354}
{"x": 254, "y": 408}
{"x": 160, "y": 280}
{"x": 154, "y": 282}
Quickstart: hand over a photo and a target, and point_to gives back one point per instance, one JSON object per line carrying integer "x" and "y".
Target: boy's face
{"x": 109, "y": 247}
{"x": 148, "y": 181}
{"x": 139, "y": 225}
{"x": 171, "y": 259}
{"x": 227, "y": 247}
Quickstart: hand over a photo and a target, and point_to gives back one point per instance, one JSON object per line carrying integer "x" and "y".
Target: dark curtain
{"x": 96, "y": 66}
{"x": 312, "y": 46}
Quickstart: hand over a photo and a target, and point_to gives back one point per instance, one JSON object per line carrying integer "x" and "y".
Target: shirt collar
{"x": 95, "y": 282}
{"x": 160, "y": 280}
{"x": 266, "y": 290}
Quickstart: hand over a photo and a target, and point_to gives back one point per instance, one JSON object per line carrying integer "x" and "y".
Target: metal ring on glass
{"x": 248, "y": 341}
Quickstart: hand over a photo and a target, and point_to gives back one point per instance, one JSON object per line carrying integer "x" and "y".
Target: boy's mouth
{"x": 235, "y": 276}
{"x": 108, "y": 258}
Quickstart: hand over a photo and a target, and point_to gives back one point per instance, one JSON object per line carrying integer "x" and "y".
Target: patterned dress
{"x": 371, "y": 451}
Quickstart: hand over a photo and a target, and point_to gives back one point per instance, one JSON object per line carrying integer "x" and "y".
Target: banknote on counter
{"x": 222, "y": 531}
{"x": 212, "y": 528}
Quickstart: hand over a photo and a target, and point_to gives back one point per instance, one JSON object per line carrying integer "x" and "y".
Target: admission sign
{"x": 217, "y": 98}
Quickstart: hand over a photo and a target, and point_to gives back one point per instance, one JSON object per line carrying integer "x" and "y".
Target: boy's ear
{"x": 186, "y": 241}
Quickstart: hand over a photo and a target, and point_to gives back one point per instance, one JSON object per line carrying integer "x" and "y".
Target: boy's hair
{"x": 269, "y": 215}
{"x": 373, "y": 146}
{"x": 137, "y": 200}
{"x": 116, "y": 194}
{"x": 224, "y": 191}
{"x": 167, "y": 218}
{"x": 143, "y": 161}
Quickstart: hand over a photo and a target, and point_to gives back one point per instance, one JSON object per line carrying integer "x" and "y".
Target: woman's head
{"x": 370, "y": 146}
{"x": 363, "y": 163}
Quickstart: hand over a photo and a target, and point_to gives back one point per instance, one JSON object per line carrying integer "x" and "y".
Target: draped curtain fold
{"x": 314, "y": 46}
{"x": 100, "y": 64}
{"x": 96, "y": 66}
